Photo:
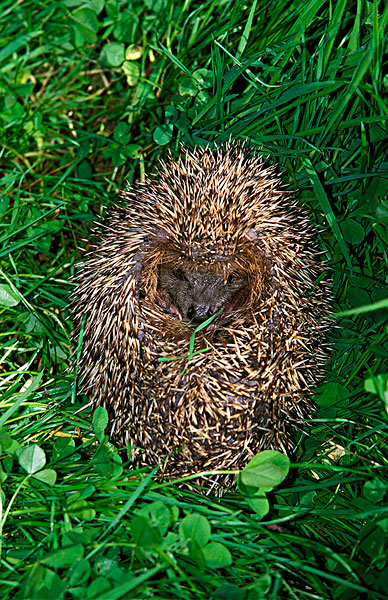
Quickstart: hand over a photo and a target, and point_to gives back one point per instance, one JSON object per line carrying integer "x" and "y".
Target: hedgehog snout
{"x": 199, "y": 312}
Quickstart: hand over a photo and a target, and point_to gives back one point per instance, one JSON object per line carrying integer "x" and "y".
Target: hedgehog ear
{"x": 160, "y": 235}
{"x": 155, "y": 239}
{"x": 252, "y": 234}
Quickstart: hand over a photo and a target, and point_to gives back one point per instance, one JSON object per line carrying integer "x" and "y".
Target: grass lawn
{"x": 92, "y": 94}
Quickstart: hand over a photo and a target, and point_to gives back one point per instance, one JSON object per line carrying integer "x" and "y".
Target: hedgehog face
{"x": 196, "y": 295}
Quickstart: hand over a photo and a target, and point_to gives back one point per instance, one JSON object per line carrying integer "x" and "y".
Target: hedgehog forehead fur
{"x": 206, "y": 203}
{"x": 218, "y": 219}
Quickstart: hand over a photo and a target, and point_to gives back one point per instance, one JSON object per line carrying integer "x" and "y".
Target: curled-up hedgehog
{"x": 213, "y": 234}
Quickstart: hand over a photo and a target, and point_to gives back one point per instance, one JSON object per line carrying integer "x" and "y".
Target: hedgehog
{"x": 204, "y": 307}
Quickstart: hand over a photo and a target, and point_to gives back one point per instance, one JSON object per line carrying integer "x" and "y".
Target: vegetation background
{"x": 92, "y": 93}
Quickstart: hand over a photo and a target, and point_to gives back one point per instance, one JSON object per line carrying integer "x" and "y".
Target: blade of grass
{"x": 327, "y": 209}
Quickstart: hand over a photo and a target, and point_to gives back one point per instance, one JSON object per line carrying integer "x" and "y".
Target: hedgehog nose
{"x": 199, "y": 313}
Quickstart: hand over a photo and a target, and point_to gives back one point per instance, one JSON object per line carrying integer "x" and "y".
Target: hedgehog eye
{"x": 232, "y": 277}
{"x": 180, "y": 274}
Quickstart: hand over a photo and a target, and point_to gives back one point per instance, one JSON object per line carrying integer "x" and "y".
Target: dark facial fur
{"x": 196, "y": 295}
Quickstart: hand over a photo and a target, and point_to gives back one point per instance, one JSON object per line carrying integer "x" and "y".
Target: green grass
{"x": 91, "y": 95}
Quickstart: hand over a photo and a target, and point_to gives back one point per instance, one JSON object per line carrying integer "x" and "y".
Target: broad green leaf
{"x": 204, "y": 77}
{"x": 115, "y": 53}
{"x": 99, "y": 586}
{"x": 378, "y": 384}
{"x": 163, "y": 134}
{"x": 196, "y": 555}
{"x": 373, "y": 538}
{"x": 217, "y": 556}
{"x": 374, "y": 490}
{"x": 32, "y": 458}
{"x": 79, "y": 572}
{"x": 34, "y": 581}
{"x": 258, "y": 503}
{"x": 8, "y": 297}
{"x": 32, "y": 323}
{"x": 100, "y": 420}
{"x": 63, "y": 447}
{"x": 84, "y": 170}
{"x": 7, "y": 443}
{"x": 188, "y": 87}
{"x": 64, "y": 557}
{"x": 80, "y": 509}
{"x": 358, "y": 296}
{"x": 96, "y": 5}
{"x": 122, "y": 133}
{"x": 144, "y": 535}
{"x": 264, "y": 471}
{"x": 133, "y": 52}
{"x": 158, "y": 515}
{"x": 196, "y": 528}
{"x": 107, "y": 462}
{"x": 332, "y": 393}
{"x": 85, "y": 23}
{"x": 352, "y": 231}
{"x": 155, "y": 5}
{"x": 48, "y": 476}
{"x": 131, "y": 71}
